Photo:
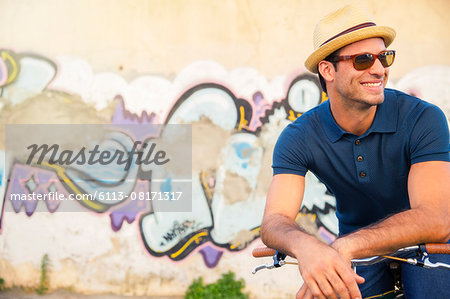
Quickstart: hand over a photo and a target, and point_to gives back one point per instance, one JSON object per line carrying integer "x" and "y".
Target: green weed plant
{"x": 43, "y": 283}
{"x": 226, "y": 287}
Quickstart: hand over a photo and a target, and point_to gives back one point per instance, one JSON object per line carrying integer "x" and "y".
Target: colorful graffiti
{"x": 23, "y": 75}
{"x": 235, "y": 121}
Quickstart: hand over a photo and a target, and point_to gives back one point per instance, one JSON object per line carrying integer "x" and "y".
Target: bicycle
{"x": 422, "y": 260}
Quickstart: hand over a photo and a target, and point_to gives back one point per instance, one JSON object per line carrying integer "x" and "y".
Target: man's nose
{"x": 377, "y": 68}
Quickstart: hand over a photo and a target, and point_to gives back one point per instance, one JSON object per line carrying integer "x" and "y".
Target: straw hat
{"x": 343, "y": 27}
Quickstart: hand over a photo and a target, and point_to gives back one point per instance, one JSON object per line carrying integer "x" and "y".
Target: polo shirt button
{"x": 360, "y": 158}
{"x": 362, "y": 174}
{"x": 358, "y": 142}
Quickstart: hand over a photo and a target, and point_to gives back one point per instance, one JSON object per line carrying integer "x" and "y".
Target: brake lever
{"x": 426, "y": 263}
{"x": 429, "y": 264}
{"x": 267, "y": 266}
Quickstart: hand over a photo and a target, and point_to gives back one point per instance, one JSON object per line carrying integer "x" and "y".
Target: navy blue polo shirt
{"x": 368, "y": 173}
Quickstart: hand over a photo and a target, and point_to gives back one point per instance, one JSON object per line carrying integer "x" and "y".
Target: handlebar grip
{"x": 437, "y": 248}
{"x": 262, "y": 252}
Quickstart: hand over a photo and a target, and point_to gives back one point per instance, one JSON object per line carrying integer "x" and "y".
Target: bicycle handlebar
{"x": 437, "y": 248}
{"x": 422, "y": 250}
{"x": 263, "y": 252}
{"x": 431, "y": 248}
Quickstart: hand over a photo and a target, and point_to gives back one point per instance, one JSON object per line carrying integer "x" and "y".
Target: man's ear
{"x": 326, "y": 69}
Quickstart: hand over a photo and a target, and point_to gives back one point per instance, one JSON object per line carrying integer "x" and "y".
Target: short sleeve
{"x": 430, "y": 137}
{"x": 290, "y": 153}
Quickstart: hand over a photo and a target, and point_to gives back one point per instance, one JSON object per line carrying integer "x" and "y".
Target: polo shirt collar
{"x": 385, "y": 120}
{"x": 331, "y": 128}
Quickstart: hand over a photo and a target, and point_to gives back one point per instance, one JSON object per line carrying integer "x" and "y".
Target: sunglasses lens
{"x": 387, "y": 58}
{"x": 363, "y": 61}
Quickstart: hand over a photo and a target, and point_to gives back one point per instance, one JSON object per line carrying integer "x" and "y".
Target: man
{"x": 383, "y": 154}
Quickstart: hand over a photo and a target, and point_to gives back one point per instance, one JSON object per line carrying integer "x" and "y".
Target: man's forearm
{"x": 407, "y": 228}
{"x": 284, "y": 234}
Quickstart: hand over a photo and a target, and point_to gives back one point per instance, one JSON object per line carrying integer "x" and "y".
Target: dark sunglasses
{"x": 366, "y": 60}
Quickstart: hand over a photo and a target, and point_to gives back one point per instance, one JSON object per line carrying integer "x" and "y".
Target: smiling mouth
{"x": 372, "y": 84}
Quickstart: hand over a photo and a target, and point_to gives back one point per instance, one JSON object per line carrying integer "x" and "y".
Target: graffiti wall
{"x": 235, "y": 121}
{"x": 235, "y": 116}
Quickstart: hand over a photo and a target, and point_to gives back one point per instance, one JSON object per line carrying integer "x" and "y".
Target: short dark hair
{"x": 328, "y": 58}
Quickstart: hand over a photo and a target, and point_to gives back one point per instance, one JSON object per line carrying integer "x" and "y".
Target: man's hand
{"x": 325, "y": 270}
{"x": 326, "y": 273}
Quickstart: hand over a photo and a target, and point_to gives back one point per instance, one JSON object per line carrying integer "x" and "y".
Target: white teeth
{"x": 372, "y": 84}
